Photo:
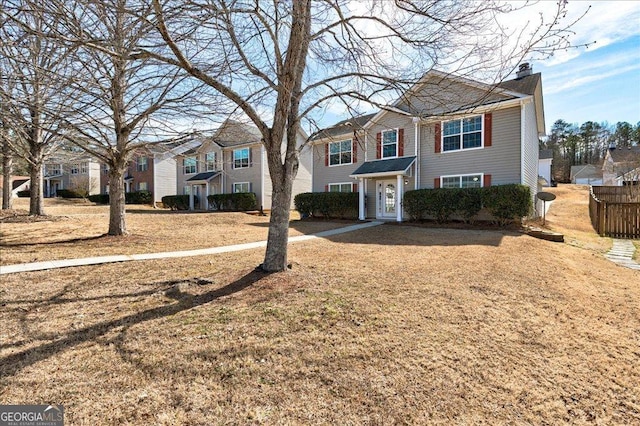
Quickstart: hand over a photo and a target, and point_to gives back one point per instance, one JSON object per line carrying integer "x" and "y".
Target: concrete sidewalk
{"x": 54, "y": 264}
{"x": 622, "y": 253}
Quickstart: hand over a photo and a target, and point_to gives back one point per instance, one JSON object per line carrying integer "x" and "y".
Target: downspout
{"x": 262, "y": 177}
{"x": 153, "y": 182}
{"x": 416, "y": 123}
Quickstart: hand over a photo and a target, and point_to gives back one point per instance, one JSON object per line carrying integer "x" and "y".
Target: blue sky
{"x": 602, "y": 82}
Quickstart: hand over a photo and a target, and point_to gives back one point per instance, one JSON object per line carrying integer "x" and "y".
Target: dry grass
{"x": 76, "y": 228}
{"x": 392, "y": 325}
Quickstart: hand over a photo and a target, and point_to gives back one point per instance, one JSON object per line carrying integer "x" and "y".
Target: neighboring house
{"x": 446, "y": 131}
{"x": 153, "y": 168}
{"x": 71, "y": 170}
{"x": 621, "y": 166}
{"x": 18, "y": 183}
{"x": 586, "y": 174}
{"x": 234, "y": 160}
{"x": 545, "y": 161}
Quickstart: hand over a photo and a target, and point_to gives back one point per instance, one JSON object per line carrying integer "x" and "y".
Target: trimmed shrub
{"x": 68, "y": 193}
{"x": 99, "y": 198}
{"x": 177, "y": 202}
{"x": 24, "y": 194}
{"x": 330, "y": 205}
{"x": 507, "y": 203}
{"x": 138, "y": 197}
{"x": 238, "y": 202}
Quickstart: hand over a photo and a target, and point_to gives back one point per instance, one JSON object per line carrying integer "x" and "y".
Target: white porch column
{"x": 206, "y": 195}
{"x": 191, "y": 201}
{"x": 361, "y": 212}
{"x": 399, "y": 196}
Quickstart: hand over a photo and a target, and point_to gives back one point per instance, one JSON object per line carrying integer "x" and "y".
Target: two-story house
{"x": 445, "y": 132}
{"x": 153, "y": 169}
{"x": 234, "y": 160}
{"x": 71, "y": 170}
{"x": 621, "y": 166}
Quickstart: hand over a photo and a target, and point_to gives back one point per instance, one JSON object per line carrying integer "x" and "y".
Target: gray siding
{"x": 501, "y": 160}
{"x": 251, "y": 174}
{"x": 200, "y": 154}
{"x": 323, "y": 175}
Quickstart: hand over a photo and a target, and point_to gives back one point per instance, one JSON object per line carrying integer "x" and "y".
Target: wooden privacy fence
{"x": 615, "y": 211}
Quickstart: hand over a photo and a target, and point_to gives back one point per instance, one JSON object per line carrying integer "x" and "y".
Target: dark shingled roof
{"x": 234, "y": 133}
{"x": 344, "y": 127}
{"x": 203, "y": 176}
{"x": 525, "y": 85}
{"x": 545, "y": 153}
{"x": 385, "y": 166}
{"x": 625, "y": 154}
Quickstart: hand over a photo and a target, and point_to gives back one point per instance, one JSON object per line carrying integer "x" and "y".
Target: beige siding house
{"x": 444, "y": 132}
{"x": 71, "y": 170}
{"x": 621, "y": 166}
{"x": 234, "y": 160}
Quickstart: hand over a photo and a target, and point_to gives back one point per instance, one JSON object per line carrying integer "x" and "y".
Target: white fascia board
{"x": 381, "y": 174}
{"x": 481, "y": 109}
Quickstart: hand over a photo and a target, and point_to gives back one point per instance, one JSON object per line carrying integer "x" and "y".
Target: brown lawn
{"x": 391, "y": 325}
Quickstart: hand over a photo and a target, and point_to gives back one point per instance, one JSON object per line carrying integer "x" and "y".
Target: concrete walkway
{"x": 622, "y": 252}
{"x": 54, "y": 264}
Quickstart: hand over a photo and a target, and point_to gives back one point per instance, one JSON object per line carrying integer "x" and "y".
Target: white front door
{"x": 387, "y": 192}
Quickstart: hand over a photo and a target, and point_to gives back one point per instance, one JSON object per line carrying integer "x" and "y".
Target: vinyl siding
{"x": 165, "y": 178}
{"x": 530, "y": 150}
{"x": 323, "y": 174}
{"x": 302, "y": 182}
{"x": 249, "y": 174}
{"x": 390, "y": 121}
{"x": 501, "y": 159}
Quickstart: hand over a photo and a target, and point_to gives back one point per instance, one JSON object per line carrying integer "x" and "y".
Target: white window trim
{"x": 184, "y": 167}
{"x": 142, "y": 167}
{"x": 75, "y": 169}
{"x": 397, "y": 130}
{"x": 340, "y": 142}
{"x": 233, "y": 158}
{"x": 206, "y": 162}
{"x": 442, "y": 151}
{"x": 241, "y": 183}
{"x": 341, "y": 183}
{"x": 461, "y": 176}
{"x": 145, "y": 184}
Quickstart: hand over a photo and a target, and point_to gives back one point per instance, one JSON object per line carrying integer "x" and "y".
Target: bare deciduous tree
{"x": 123, "y": 102}
{"x": 295, "y": 59}
{"x": 36, "y": 73}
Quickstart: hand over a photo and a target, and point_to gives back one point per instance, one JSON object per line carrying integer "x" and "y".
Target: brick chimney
{"x": 524, "y": 70}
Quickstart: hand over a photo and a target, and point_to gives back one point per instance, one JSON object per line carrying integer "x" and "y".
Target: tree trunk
{"x": 7, "y": 168}
{"x": 275, "y": 258}
{"x": 117, "y": 225}
{"x": 36, "y": 200}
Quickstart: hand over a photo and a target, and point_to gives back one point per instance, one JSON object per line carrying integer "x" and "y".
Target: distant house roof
{"x": 619, "y": 155}
{"x": 343, "y": 127}
{"x": 16, "y": 181}
{"x": 234, "y": 133}
{"x": 392, "y": 166}
{"x": 545, "y": 154}
{"x": 585, "y": 171}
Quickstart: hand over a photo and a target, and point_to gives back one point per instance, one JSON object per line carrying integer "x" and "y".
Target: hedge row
{"x": 177, "y": 202}
{"x": 506, "y": 203}
{"x": 137, "y": 197}
{"x": 330, "y": 205}
{"x": 68, "y": 193}
{"x": 24, "y": 194}
{"x": 238, "y": 202}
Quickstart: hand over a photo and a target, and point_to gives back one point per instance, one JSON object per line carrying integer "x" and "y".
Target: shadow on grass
{"x": 12, "y": 364}
{"x": 71, "y": 240}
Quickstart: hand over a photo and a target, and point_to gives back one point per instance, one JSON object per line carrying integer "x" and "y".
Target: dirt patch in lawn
{"x": 387, "y": 325}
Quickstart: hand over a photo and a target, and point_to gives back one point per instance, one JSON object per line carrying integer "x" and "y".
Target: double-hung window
{"x": 240, "y": 158}
{"x": 189, "y": 165}
{"x": 340, "y": 187}
{"x": 462, "y": 181}
{"x": 75, "y": 169}
{"x": 241, "y": 187}
{"x": 465, "y": 133}
{"x": 390, "y": 143}
{"x": 210, "y": 161}
{"x": 142, "y": 164}
{"x": 340, "y": 153}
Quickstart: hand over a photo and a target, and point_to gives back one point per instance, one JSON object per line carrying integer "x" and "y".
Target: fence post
{"x": 602, "y": 211}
